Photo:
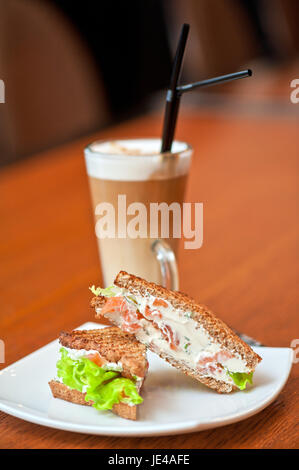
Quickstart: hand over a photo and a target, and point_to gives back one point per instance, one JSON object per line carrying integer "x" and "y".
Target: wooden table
{"x": 245, "y": 172}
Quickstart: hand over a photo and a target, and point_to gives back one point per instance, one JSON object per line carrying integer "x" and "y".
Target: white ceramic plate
{"x": 173, "y": 402}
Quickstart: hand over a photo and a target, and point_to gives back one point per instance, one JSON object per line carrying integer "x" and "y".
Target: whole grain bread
{"x": 59, "y": 390}
{"x": 219, "y": 385}
{"x": 215, "y": 327}
{"x": 113, "y": 344}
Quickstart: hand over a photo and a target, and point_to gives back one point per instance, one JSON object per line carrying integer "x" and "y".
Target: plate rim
{"x": 142, "y": 430}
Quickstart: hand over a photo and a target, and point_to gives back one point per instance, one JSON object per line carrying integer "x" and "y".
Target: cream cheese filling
{"x": 195, "y": 345}
{"x": 76, "y": 354}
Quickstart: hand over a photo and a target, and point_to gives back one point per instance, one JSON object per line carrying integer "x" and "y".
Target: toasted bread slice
{"x": 111, "y": 345}
{"x": 59, "y": 390}
{"x": 180, "y": 310}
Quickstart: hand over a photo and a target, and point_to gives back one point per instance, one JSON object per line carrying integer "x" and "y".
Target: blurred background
{"x": 73, "y": 68}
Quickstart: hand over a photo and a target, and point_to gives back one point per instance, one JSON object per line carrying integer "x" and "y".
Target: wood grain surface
{"x": 245, "y": 171}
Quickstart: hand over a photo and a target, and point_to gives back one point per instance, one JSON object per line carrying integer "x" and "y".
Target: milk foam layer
{"x": 136, "y": 160}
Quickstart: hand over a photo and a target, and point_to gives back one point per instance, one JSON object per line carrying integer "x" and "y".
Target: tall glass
{"x": 131, "y": 184}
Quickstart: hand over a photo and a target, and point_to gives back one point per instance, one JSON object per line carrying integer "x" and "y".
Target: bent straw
{"x": 172, "y": 98}
{"x": 214, "y": 81}
{"x": 174, "y": 94}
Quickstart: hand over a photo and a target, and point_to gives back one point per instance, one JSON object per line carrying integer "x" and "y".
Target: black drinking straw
{"x": 172, "y": 98}
{"x": 214, "y": 81}
{"x": 175, "y": 92}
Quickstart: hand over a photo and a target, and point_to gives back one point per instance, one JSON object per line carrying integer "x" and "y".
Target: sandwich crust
{"x": 215, "y": 327}
{"x": 113, "y": 344}
{"x": 59, "y": 390}
{"x": 219, "y": 385}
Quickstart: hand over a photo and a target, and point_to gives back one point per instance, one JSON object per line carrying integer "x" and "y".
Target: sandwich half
{"x": 104, "y": 368}
{"x": 181, "y": 331}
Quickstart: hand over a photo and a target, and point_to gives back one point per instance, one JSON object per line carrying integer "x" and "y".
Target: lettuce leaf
{"x": 104, "y": 387}
{"x": 110, "y": 291}
{"x": 241, "y": 378}
{"x": 118, "y": 390}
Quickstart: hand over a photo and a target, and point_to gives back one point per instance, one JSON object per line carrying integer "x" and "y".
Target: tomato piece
{"x": 151, "y": 314}
{"x": 170, "y": 337}
{"x": 120, "y": 305}
{"x": 207, "y": 360}
{"x": 210, "y": 369}
{"x": 211, "y": 364}
{"x": 139, "y": 315}
{"x": 130, "y": 316}
{"x": 224, "y": 356}
{"x": 160, "y": 303}
{"x": 96, "y": 358}
{"x": 129, "y": 327}
{"x": 148, "y": 311}
{"x": 128, "y": 313}
{"x": 113, "y": 304}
